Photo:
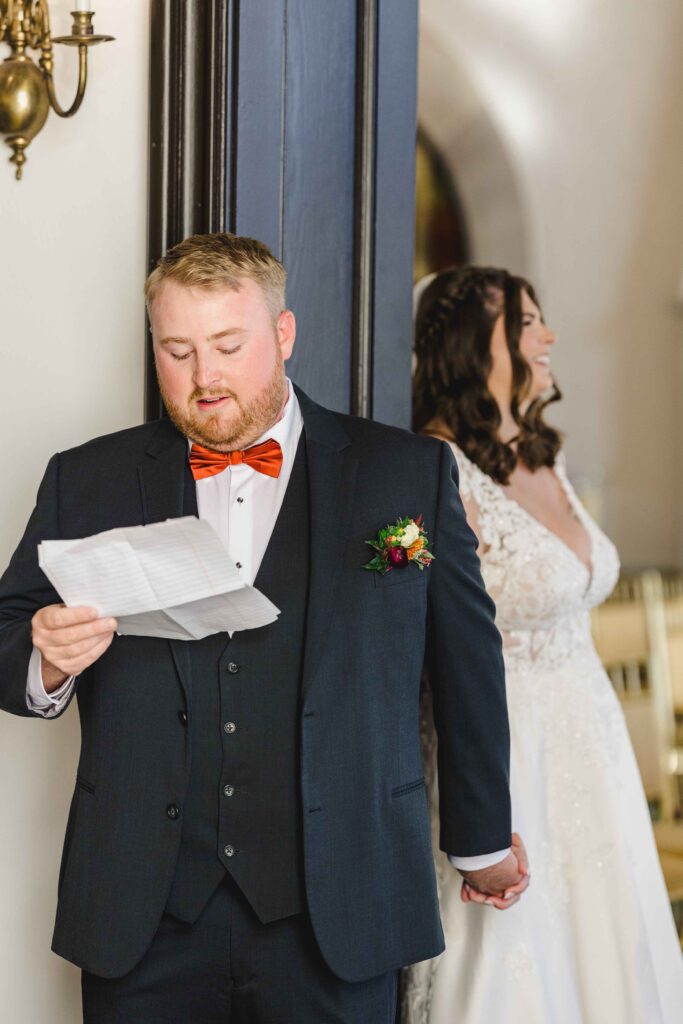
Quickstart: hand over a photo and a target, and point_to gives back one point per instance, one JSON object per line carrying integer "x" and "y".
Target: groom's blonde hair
{"x": 221, "y": 260}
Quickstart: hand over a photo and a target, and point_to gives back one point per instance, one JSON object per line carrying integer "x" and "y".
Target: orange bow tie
{"x": 265, "y": 458}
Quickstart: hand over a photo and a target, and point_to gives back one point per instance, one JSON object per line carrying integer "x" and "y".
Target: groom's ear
{"x": 285, "y": 328}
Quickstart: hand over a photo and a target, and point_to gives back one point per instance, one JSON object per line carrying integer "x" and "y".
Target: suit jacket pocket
{"x": 408, "y": 787}
{"x": 403, "y": 574}
{"x": 83, "y": 783}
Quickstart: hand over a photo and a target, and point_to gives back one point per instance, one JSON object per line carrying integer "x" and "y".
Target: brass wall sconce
{"x": 27, "y": 90}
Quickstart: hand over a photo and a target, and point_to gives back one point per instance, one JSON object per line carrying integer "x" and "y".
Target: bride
{"x": 593, "y": 941}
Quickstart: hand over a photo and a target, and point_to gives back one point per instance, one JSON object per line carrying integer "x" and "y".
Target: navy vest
{"x": 242, "y": 810}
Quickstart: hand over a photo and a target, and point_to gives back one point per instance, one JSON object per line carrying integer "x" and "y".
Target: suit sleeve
{"x": 467, "y": 678}
{"x": 23, "y": 590}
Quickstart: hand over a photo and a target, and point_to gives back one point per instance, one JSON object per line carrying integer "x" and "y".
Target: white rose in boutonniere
{"x": 409, "y": 535}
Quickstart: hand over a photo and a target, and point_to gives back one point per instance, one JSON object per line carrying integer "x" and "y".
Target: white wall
{"x": 584, "y": 99}
{"x": 72, "y": 264}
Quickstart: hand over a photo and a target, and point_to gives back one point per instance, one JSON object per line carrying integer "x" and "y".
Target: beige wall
{"x": 561, "y": 122}
{"x": 72, "y": 261}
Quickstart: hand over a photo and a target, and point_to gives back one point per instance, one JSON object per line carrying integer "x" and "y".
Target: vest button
{"x": 228, "y": 790}
{"x": 173, "y": 811}
{"x": 233, "y": 668}
{"x": 230, "y": 727}
{"x": 229, "y": 851}
{"x": 182, "y": 715}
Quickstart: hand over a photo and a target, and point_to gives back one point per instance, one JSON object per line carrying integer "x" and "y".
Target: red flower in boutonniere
{"x": 399, "y": 545}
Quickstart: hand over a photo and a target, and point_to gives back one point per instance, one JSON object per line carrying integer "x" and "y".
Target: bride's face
{"x": 535, "y": 344}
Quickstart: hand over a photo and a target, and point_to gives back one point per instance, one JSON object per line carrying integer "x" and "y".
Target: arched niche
{"x": 453, "y": 116}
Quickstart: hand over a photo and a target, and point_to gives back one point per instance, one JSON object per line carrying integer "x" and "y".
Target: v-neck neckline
{"x": 589, "y": 567}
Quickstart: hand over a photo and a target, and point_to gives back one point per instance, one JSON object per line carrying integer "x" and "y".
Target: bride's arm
{"x": 472, "y": 515}
{"x": 469, "y": 502}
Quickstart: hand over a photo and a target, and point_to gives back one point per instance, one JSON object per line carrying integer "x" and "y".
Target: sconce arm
{"x": 46, "y": 65}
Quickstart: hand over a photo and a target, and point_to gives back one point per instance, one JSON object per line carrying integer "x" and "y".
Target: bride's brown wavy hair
{"x": 455, "y": 320}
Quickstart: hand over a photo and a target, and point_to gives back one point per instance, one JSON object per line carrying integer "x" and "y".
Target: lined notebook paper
{"x": 172, "y": 579}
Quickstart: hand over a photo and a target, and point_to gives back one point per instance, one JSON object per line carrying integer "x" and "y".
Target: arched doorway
{"x": 461, "y": 139}
{"x": 441, "y": 237}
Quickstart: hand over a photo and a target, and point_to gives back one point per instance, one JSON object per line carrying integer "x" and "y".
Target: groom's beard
{"x": 252, "y": 418}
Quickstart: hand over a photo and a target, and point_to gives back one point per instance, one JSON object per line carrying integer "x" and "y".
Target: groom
{"x": 249, "y": 837}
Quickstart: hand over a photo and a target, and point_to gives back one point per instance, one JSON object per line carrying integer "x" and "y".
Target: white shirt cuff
{"x": 485, "y": 860}
{"x": 37, "y": 698}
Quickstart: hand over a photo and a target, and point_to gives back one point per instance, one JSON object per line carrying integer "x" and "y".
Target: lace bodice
{"x": 542, "y": 589}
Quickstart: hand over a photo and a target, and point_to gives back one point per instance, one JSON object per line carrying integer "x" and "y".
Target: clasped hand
{"x": 502, "y": 884}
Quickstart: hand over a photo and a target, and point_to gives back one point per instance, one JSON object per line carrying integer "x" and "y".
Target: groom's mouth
{"x": 211, "y": 404}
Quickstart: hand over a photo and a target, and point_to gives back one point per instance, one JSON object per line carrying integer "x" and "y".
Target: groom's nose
{"x": 206, "y": 370}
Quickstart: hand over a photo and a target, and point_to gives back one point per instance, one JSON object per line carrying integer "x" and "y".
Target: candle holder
{"x": 27, "y": 89}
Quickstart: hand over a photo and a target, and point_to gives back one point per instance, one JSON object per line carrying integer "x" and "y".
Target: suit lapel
{"x": 162, "y": 475}
{"x": 162, "y": 484}
{"x": 331, "y": 476}
{"x": 289, "y": 518}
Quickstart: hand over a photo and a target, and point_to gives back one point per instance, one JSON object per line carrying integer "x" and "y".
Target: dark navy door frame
{"x": 294, "y": 121}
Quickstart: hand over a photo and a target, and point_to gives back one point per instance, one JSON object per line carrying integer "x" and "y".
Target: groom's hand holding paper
{"x": 69, "y": 640}
{"x": 172, "y": 579}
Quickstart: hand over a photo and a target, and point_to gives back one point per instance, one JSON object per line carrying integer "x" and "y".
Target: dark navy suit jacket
{"x": 369, "y": 873}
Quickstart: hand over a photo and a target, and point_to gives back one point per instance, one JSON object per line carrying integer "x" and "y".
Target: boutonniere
{"x": 399, "y": 544}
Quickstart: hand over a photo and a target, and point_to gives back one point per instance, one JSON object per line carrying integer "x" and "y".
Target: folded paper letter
{"x": 173, "y": 579}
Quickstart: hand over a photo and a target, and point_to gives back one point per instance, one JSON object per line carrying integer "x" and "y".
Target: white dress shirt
{"x": 242, "y": 505}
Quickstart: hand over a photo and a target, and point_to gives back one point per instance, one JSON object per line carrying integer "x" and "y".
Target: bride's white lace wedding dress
{"x": 592, "y": 941}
